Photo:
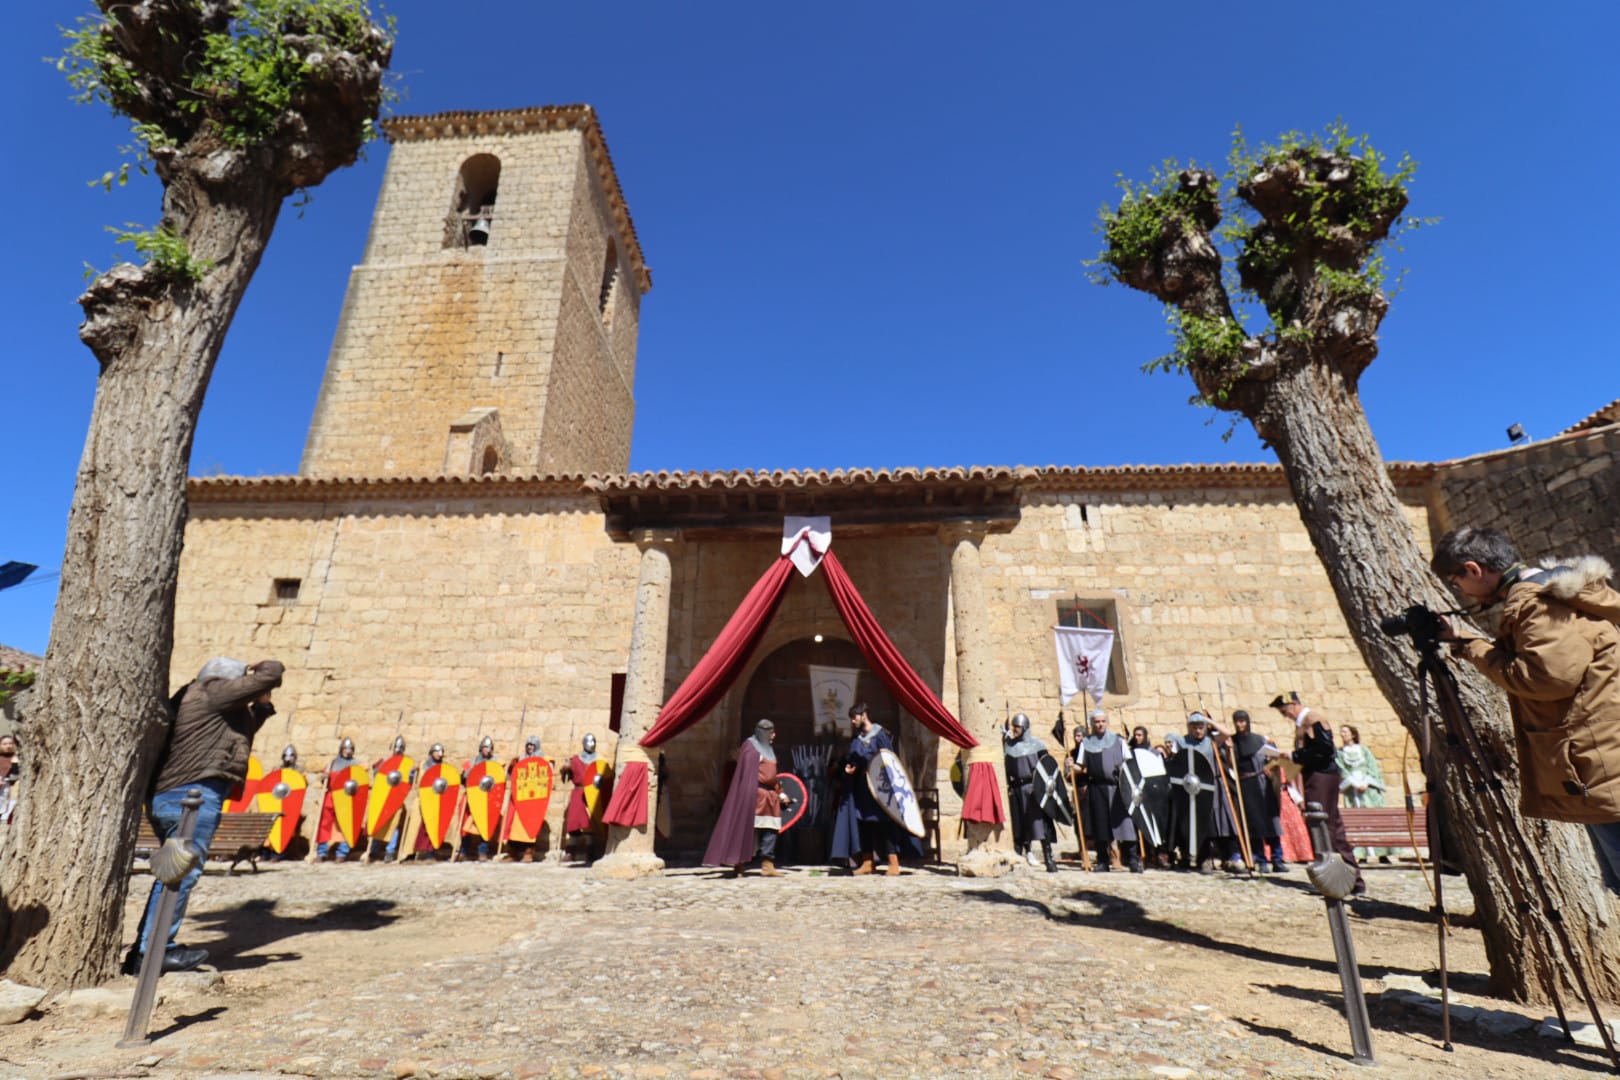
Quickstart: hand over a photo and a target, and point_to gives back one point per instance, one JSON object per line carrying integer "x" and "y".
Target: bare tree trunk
{"x": 1319, "y": 430}
{"x": 102, "y": 691}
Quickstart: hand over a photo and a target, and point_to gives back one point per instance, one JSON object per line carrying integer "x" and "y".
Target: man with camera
{"x": 1557, "y": 654}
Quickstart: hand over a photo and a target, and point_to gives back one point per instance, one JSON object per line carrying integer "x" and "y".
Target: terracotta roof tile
{"x": 1609, "y": 414}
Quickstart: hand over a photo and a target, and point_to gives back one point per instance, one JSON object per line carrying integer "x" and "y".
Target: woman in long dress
{"x": 1362, "y": 782}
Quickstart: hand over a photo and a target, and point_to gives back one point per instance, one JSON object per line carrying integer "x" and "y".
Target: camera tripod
{"x": 1503, "y": 831}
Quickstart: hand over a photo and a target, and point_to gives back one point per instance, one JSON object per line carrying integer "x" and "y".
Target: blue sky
{"x": 866, "y": 223}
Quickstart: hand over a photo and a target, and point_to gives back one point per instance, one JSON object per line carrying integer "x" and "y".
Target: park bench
{"x": 1383, "y": 826}
{"x": 239, "y": 836}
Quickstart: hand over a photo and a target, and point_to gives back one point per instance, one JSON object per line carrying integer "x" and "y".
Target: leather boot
{"x": 767, "y": 868}
{"x": 1051, "y": 863}
{"x": 866, "y": 864}
{"x": 894, "y": 865}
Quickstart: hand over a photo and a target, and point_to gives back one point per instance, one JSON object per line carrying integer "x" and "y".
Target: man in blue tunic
{"x": 861, "y": 827}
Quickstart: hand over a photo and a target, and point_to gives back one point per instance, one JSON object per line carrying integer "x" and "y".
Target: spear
{"x": 326, "y": 792}
{"x": 1242, "y": 804}
{"x": 461, "y": 803}
{"x": 506, "y": 802}
{"x": 1226, "y": 796}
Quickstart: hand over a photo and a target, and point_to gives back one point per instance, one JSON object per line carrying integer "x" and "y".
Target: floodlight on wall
{"x": 1516, "y": 434}
{"x": 479, "y": 233}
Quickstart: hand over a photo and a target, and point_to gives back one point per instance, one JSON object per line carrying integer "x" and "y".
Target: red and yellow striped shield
{"x": 485, "y": 788}
{"x": 349, "y": 788}
{"x": 439, "y": 789}
{"x": 282, "y": 792}
{"x": 390, "y": 783}
{"x": 242, "y": 798}
{"x": 531, "y": 793}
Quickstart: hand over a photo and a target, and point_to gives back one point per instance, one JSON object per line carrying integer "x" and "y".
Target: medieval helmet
{"x": 1020, "y": 722}
{"x": 531, "y": 745}
{"x": 589, "y": 743}
{"x": 399, "y": 744}
{"x": 289, "y": 756}
{"x": 346, "y": 747}
{"x": 486, "y": 746}
{"x": 436, "y": 751}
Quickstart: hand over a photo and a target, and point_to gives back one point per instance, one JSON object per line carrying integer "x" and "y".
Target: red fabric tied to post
{"x": 982, "y": 800}
{"x": 628, "y": 806}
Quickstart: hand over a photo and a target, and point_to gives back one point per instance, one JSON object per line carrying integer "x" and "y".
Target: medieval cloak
{"x": 1030, "y": 824}
{"x": 857, "y": 807}
{"x": 582, "y": 771}
{"x": 1220, "y": 823}
{"x": 1107, "y": 807}
{"x": 732, "y": 842}
{"x": 1259, "y": 788}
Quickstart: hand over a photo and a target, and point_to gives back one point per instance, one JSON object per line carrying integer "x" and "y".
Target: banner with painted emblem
{"x": 485, "y": 788}
{"x": 1083, "y": 655}
{"x": 531, "y": 782}
{"x": 349, "y": 788}
{"x": 282, "y": 792}
{"x": 438, "y": 791}
{"x": 390, "y": 783}
{"x": 832, "y": 691}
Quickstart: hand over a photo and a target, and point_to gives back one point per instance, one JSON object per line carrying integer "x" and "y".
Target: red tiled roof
{"x": 581, "y": 118}
{"x": 1609, "y": 414}
{"x": 17, "y": 660}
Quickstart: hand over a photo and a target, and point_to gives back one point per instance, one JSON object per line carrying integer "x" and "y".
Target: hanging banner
{"x": 805, "y": 540}
{"x": 832, "y": 691}
{"x": 1083, "y": 657}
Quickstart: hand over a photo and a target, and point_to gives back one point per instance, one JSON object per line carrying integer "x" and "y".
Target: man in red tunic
{"x": 752, "y": 814}
{"x": 587, "y": 801}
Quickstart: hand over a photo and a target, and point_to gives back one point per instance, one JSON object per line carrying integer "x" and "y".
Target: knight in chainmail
{"x": 328, "y": 837}
{"x": 1096, "y": 761}
{"x": 1030, "y": 823}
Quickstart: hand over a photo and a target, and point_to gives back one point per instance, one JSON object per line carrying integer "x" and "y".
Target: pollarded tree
{"x": 236, "y": 104}
{"x": 1307, "y": 219}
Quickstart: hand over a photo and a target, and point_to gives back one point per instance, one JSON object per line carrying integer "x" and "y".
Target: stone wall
{"x": 1554, "y": 498}
{"x": 429, "y": 332}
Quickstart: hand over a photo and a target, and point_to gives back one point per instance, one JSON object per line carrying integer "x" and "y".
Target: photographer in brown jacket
{"x": 1557, "y": 654}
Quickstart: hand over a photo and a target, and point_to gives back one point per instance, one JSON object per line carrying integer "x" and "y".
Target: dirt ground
{"x": 509, "y": 970}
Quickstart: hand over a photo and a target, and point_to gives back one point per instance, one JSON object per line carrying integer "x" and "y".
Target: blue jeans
{"x": 1606, "y": 839}
{"x": 164, "y": 814}
{"x": 340, "y": 848}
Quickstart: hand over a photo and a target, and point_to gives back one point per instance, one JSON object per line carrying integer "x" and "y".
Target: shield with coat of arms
{"x": 891, "y": 787}
{"x": 390, "y": 783}
{"x": 485, "y": 788}
{"x": 349, "y": 788}
{"x": 243, "y": 795}
{"x": 438, "y": 789}
{"x": 282, "y": 793}
{"x": 531, "y": 783}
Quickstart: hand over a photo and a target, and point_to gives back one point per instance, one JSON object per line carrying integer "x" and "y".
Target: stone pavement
{"x": 505, "y": 970}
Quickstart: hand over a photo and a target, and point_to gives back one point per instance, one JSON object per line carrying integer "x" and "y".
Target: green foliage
{"x": 1198, "y": 341}
{"x": 11, "y": 682}
{"x": 1134, "y": 230}
{"x": 239, "y": 81}
{"x": 165, "y": 250}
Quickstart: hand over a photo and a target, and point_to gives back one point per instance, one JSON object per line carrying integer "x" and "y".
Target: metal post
{"x": 1334, "y": 879}
{"x": 173, "y": 860}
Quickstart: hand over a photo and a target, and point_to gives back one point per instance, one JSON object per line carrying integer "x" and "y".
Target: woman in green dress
{"x": 1362, "y": 782}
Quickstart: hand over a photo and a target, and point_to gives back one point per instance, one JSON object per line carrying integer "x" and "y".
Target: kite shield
{"x": 1134, "y": 784}
{"x": 349, "y": 788}
{"x": 531, "y": 782}
{"x": 439, "y": 790}
{"x": 891, "y": 787}
{"x": 390, "y": 783}
{"x": 486, "y": 794}
{"x": 795, "y": 799}
{"x": 1053, "y": 791}
{"x": 282, "y": 792}
{"x": 243, "y": 797}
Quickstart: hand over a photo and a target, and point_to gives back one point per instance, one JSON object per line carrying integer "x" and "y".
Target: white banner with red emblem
{"x": 1083, "y": 657}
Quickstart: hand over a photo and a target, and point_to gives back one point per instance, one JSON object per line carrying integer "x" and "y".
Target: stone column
{"x": 989, "y": 852}
{"x": 630, "y": 851}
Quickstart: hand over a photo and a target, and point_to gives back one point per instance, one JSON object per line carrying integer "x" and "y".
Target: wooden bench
{"x": 240, "y": 836}
{"x": 1384, "y": 826}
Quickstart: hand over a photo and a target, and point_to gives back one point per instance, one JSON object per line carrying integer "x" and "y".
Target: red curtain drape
{"x": 982, "y": 801}
{"x": 719, "y": 667}
{"x": 904, "y": 683}
{"x": 628, "y": 806}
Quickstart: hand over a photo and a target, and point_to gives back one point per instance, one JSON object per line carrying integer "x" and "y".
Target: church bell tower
{"x": 491, "y": 327}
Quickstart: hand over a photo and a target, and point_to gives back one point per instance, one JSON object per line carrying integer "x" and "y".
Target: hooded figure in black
{"x": 1097, "y": 758}
{"x": 1261, "y": 800}
{"x": 1024, "y": 790}
{"x": 1216, "y": 831}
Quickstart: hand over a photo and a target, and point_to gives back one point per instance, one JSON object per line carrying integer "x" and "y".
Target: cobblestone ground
{"x": 505, "y": 970}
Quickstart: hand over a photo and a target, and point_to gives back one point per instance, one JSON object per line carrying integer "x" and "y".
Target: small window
{"x": 610, "y": 277}
{"x": 1097, "y": 613}
{"x": 472, "y": 210}
{"x": 492, "y": 460}
{"x": 285, "y": 590}
{"x": 616, "y": 701}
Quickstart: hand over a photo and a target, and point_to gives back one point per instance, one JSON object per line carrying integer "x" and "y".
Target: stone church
{"x": 463, "y": 552}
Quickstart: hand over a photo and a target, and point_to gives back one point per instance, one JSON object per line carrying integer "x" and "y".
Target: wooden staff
{"x": 461, "y": 805}
{"x": 1226, "y": 794}
{"x": 1242, "y": 805}
{"x": 506, "y": 801}
{"x": 1074, "y": 785}
{"x": 326, "y": 789}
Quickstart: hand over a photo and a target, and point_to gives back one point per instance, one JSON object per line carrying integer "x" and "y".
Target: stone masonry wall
{"x": 1554, "y": 498}
{"x": 429, "y": 332}
{"x": 454, "y": 616}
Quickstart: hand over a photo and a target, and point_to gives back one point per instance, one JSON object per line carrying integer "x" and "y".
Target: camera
{"x": 1418, "y": 622}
